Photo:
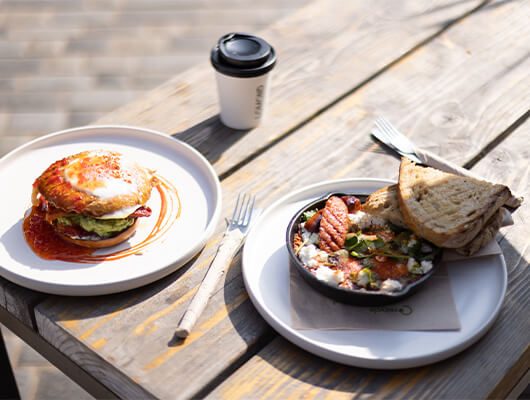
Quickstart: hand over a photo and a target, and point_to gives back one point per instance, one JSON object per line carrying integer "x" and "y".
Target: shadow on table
{"x": 211, "y": 137}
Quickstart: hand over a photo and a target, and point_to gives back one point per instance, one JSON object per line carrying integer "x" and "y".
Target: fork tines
{"x": 243, "y": 209}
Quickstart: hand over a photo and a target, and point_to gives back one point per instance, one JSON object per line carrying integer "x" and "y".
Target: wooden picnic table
{"x": 454, "y": 76}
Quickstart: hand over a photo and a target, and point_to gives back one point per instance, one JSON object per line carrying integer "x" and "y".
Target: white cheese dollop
{"x": 412, "y": 264}
{"x": 363, "y": 278}
{"x": 426, "y": 266}
{"x": 391, "y": 285}
{"x": 311, "y": 256}
{"x": 326, "y": 274}
{"x": 418, "y": 268}
{"x": 309, "y": 237}
{"x": 364, "y": 221}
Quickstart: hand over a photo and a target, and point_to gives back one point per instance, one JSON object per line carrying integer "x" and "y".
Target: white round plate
{"x": 478, "y": 285}
{"x": 185, "y": 168}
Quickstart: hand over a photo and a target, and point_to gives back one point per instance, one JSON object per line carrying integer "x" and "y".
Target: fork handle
{"x": 230, "y": 244}
{"x": 434, "y": 160}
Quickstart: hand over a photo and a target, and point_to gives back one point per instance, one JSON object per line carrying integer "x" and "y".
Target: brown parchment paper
{"x": 432, "y": 308}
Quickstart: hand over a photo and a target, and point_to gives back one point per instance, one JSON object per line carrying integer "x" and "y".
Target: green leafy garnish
{"x": 360, "y": 247}
{"x": 357, "y": 255}
{"x": 367, "y": 263}
{"x": 355, "y": 244}
{"x": 351, "y": 241}
{"x": 430, "y": 256}
{"x": 416, "y": 251}
{"x": 379, "y": 243}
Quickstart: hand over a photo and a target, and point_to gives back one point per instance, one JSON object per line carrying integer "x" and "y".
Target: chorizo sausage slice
{"x": 333, "y": 225}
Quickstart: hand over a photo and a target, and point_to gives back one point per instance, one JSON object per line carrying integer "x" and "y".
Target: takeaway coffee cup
{"x": 242, "y": 63}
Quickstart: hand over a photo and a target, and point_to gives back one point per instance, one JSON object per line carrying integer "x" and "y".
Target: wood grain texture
{"x": 380, "y": 31}
{"x": 324, "y": 50}
{"x": 19, "y": 301}
{"x": 133, "y": 334}
{"x": 54, "y": 356}
{"x": 284, "y": 371}
{"x": 130, "y": 334}
{"x": 510, "y": 162}
{"x": 337, "y": 144}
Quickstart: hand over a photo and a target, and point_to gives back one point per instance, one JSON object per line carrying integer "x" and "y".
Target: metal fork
{"x": 401, "y": 144}
{"x": 242, "y": 218}
{"x": 242, "y": 212}
{"x": 394, "y": 139}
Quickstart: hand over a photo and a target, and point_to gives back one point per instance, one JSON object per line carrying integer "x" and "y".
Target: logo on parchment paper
{"x": 402, "y": 309}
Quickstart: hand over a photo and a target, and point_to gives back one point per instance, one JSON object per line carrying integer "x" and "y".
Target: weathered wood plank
{"x": 510, "y": 162}
{"x": 143, "y": 320}
{"x": 284, "y": 371}
{"x": 54, "y": 356}
{"x": 336, "y": 144}
{"x": 325, "y": 50}
{"x": 133, "y": 333}
{"x": 19, "y": 301}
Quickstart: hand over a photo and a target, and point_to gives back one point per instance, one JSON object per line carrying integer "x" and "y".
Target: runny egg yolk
{"x": 103, "y": 175}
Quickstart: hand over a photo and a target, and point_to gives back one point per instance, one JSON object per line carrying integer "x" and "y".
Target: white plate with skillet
{"x": 195, "y": 211}
{"x": 478, "y": 286}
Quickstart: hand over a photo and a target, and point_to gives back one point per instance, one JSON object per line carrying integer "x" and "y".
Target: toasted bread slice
{"x": 487, "y": 233}
{"x": 444, "y": 208}
{"x": 385, "y": 204}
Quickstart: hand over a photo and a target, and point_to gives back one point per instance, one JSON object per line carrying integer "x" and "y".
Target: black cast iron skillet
{"x": 360, "y": 297}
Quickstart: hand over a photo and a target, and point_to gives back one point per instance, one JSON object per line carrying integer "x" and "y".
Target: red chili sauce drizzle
{"x": 43, "y": 240}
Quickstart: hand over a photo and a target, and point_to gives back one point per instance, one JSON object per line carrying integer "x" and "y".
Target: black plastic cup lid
{"x": 242, "y": 55}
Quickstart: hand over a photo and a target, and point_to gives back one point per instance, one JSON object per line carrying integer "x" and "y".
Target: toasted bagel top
{"x": 97, "y": 183}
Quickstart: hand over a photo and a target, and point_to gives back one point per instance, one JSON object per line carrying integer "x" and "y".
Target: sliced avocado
{"x": 101, "y": 227}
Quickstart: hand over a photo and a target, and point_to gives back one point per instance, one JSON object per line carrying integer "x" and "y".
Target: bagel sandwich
{"x": 94, "y": 198}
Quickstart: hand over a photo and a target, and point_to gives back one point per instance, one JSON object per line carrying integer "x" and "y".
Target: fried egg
{"x": 98, "y": 183}
{"x": 102, "y": 174}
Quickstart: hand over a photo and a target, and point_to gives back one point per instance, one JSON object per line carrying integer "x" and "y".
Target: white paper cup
{"x": 243, "y": 63}
{"x": 243, "y": 101}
